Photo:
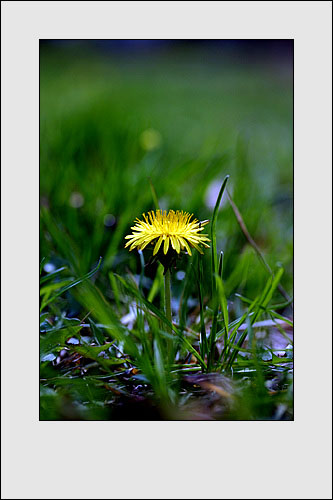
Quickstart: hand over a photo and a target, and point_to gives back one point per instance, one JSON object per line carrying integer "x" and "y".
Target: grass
{"x": 119, "y": 137}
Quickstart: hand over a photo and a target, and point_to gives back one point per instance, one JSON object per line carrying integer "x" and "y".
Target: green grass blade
{"x": 135, "y": 292}
{"x": 53, "y": 340}
{"x": 279, "y": 316}
{"x": 115, "y": 290}
{"x": 203, "y": 340}
{"x": 97, "y": 332}
{"x": 260, "y": 306}
{"x": 154, "y": 195}
{"x": 74, "y": 283}
{"x": 188, "y": 282}
{"x": 51, "y": 275}
{"x": 157, "y": 283}
{"x": 160, "y": 370}
{"x": 224, "y": 306}
{"x": 213, "y": 232}
{"x": 220, "y": 272}
{"x": 214, "y": 272}
{"x": 48, "y": 289}
{"x": 92, "y": 299}
{"x": 273, "y": 307}
{"x": 93, "y": 352}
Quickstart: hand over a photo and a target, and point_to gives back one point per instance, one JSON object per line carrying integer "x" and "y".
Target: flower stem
{"x": 167, "y": 298}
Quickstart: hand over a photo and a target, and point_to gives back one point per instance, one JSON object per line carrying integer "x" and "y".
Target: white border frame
{"x": 122, "y": 459}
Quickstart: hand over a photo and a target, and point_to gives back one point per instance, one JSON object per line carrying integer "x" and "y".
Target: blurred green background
{"x": 183, "y": 114}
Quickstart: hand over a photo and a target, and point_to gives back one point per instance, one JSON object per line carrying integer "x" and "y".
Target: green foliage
{"x": 117, "y": 141}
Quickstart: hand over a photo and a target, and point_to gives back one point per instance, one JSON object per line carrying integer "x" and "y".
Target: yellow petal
{"x": 166, "y": 245}
{"x": 197, "y": 247}
{"x": 185, "y": 244}
{"x": 176, "y": 244}
{"x": 157, "y": 246}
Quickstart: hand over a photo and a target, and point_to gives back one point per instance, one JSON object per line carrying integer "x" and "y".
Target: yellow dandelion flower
{"x": 175, "y": 230}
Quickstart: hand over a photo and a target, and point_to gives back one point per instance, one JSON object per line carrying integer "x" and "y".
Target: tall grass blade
{"x": 203, "y": 339}
{"x": 260, "y": 305}
{"x": 224, "y": 307}
{"x": 251, "y": 241}
{"x": 115, "y": 290}
{"x": 71, "y": 285}
{"x": 135, "y": 292}
{"x": 52, "y": 275}
{"x": 157, "y": 284}
{"x": 154, "y": 195}
{"x": 213, "y": 232}
{"x": 214, "y": 272}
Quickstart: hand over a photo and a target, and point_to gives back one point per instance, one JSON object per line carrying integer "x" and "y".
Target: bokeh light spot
{"x": 150, "y": 139}
{"x": 76, "y": 200}
{"x": 109, "y": 220}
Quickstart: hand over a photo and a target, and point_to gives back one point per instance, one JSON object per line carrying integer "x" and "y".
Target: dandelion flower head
{"x": 176, "y": 230}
